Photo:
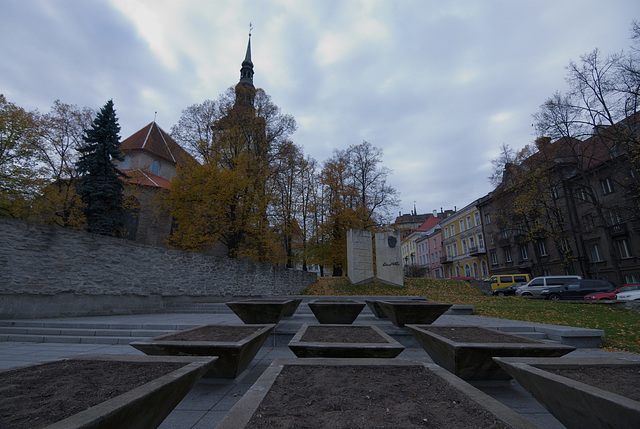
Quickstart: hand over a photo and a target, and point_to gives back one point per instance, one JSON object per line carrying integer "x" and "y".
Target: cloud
{"x": 439, "y": 86}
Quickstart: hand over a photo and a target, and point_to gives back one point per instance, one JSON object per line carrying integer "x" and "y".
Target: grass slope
{"x": 621, "y": 327}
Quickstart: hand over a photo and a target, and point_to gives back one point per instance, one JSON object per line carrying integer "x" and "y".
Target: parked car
{"x": 535, "y": 286}
{"x": 504, "y": 280}
{"x": 634, "y": 295}
{"x": 509, "y": 290}
{"x": 577, "y": 289}
{"x": 612, "y": 295}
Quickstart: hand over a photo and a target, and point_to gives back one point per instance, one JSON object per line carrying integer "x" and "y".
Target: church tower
{"x": 245, "y": 91}
{"x": 246, "y": 72}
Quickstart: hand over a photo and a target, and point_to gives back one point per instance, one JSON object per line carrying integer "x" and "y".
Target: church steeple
{"x": 246, "y": 72}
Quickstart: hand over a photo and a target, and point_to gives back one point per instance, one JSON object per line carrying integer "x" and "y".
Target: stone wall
{"x": 47, "y": 271}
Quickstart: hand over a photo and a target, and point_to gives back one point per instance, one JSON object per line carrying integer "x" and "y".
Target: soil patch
{"x": 341, "y": 334}
{"x": 366, "y": 397}
{"x": 474, "y": 334}
{"x": 215, "y": 333}
{"x": 37, "y": 396}
{"x": 622, "y": 380}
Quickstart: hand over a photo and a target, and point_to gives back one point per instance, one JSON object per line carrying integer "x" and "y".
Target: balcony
{"x": 475, "y": 250}
{"x": 619, "y": 229}
{"x": 446, "y": 260}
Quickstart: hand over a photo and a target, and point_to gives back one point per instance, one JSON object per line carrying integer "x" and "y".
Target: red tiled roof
{"x": 144, "y": 178}
{"x": 154, "y": 140}
{"x": 429, "y": 223}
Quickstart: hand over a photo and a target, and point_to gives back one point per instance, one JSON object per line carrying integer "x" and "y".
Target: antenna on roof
{"x": 154, "y": 115}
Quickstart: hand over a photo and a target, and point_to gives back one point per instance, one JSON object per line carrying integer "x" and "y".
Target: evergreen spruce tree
{"x": 100, "y": 186}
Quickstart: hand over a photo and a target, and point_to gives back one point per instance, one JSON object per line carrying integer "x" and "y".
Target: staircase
{"x": 80, "y": 333}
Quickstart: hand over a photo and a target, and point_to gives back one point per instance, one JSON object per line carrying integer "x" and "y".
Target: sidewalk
{"x": 210, "y": 399}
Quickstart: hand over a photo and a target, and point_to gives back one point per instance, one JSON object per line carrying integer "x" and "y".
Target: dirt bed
{"x": 366, "y": 397}
{"x": 215, "y": 333}
{"x": 622, "y": 380}
{"x": 37, "y": 396}
{"x": 341, "y": 334}
{"x": 473, "y": 334}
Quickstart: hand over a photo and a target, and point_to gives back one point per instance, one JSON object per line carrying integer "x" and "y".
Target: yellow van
{"x": 505, "y": 280}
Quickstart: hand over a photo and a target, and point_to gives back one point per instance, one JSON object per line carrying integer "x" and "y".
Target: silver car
{"x": 535, "y": 286}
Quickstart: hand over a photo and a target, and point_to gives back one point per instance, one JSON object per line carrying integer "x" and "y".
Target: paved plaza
{"x": 210, "y": 399}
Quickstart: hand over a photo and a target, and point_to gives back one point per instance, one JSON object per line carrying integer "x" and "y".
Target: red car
{"x": 612, "y": 295}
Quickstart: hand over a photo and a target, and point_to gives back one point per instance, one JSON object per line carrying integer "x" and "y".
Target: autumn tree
{"x": 232, "y": 208}
{"x": 62, "y": 130}
{"x": 500, "y": 164}
{"x": 194, "y": 130}
{"x": 338, "y": 212}
{"x": 21, "y": 174}
{"x": 287, "y": 187}
{"x": 100, "y": 186}
{"x": 355, "y": 195}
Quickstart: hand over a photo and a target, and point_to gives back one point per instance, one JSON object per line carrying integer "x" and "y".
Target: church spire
{"x": 246, "y": 72}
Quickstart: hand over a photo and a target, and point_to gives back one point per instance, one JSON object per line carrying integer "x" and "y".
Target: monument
{"x": 389, "y": 259}
{"x": 359, "y": 256}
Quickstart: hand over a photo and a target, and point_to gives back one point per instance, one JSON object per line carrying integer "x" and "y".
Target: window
{"x": 524, "y": 253}
{"x": 623, "y": 248}
{"x": 472, "y": 243}
{"x": 126, "y": 163}
{"x": 446, "y": 233}
{"x": 461, "y": 225}
{"x": 464, "y": 246}
{"x": 614, "y": 216}
{"x": 469, "y": 222}
{"x": 542, "y": 249}
{"x": 559, "y": 217}
{"x": 587, "y": 223}
{"x": 476, "y": 218}
{"x": 458, "y": 271}
{"x": 565, "y": 246}
{"x": 155, "y": 168}
{"x": 480, "y": 241}
{"x": 632, "y": 278}
{"x": 450, "y": 272}
{"x": 448, "y": 251}
{"x": 453, "y": 229}
{"x": 581, "y": 194}
{"x": 487, "y": 218}
{"x": 607, "y": 186}
{"x": 475, "y": 269}
{"x": 494, "y": 258}
{"x": 454, "y": 246}
{"x": 507, "y": 255}
{"x": 467, "y": 270}
{"x": 435, "y": 244}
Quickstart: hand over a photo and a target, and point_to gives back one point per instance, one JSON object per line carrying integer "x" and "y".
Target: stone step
{"x": 82, "y": 332}
{"x": 69, "y": 339}
{"x": 34, "y": 331}
{"x": 55, "y": 324}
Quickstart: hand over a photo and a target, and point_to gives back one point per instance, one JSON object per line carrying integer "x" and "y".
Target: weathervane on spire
{"x": 250, "y": 29}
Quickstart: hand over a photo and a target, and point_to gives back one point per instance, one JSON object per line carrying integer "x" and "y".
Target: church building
{"x": 151, "y": 157}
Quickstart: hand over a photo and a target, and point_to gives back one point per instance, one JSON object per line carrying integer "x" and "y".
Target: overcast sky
{"x": 438, "y": 85}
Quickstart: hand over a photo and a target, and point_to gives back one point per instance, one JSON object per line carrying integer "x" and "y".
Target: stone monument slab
{"x": 389, "y": 258}
{"x": 359, "y": 256}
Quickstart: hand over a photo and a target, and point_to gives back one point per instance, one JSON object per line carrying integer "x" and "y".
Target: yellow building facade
{"x": 464, "y": 252}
